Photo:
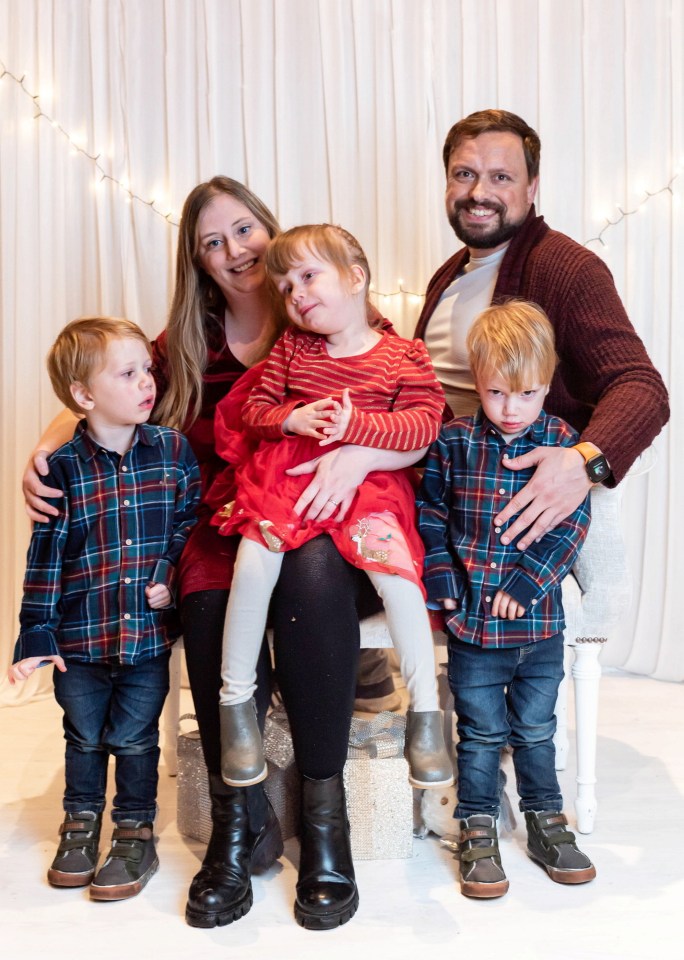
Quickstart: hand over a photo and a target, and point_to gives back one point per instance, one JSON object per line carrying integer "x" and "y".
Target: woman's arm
{"x": 339, "y": 473}
{"x": 58, "y": 431}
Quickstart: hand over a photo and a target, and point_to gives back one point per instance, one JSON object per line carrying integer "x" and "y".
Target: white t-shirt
{"x": 467, "y": 296}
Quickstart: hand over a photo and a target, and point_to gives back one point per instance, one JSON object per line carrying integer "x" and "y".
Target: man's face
{"x": 488, "y": 193}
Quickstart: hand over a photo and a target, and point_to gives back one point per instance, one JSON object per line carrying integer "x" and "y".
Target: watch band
{"x": 587, "y": 450}
{"x": 595, "y": 463}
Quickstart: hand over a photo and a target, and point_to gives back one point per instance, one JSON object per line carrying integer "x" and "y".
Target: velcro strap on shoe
{"x": 71, "y": 826}
{"x": 126, "y": 851}
{"x": 479, "y": 853}
{"x": 75, "y": 843}
{"x": 553, "y": 839}
{"x": 132, "y": 833}
{"x": 552, "y": 820}
{"x": 478, "y": 833}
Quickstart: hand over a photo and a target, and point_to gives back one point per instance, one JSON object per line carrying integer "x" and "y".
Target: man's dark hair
{"x": 495, "y": 121}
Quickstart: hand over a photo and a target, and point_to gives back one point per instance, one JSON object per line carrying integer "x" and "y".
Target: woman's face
{"x": 231, "y": 246}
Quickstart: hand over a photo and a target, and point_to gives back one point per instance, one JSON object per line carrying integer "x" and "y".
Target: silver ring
{"x": 334, "y": 501}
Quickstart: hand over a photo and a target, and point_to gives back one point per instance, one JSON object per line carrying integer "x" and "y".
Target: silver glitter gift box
{"x": 379, "y": 796}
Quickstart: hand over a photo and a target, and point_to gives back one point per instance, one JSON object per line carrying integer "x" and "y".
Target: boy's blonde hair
{"x": 515, "y": 340}
{"x": 79, "y": 352}
{"x": 325, "y": 241}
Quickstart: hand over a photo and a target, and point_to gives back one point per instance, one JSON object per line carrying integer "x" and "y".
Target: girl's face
{"x": 231, "y": 246}
{"x": 319, "y": 299}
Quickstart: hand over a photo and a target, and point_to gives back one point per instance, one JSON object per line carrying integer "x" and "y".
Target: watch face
{"x": 598, "y": 469}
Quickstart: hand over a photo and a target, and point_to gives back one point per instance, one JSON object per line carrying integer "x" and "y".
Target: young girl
{"x": 334, "y": 379}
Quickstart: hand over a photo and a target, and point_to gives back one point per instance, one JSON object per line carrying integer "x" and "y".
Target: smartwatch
{"x": 596, "y": 465}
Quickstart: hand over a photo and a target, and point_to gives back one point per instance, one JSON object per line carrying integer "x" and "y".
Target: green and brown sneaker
{"x": 76, "y": 857}
{"x": 482, "y": 875}
{"x": 553, "y": 846}
{"x": 130, "y": 863}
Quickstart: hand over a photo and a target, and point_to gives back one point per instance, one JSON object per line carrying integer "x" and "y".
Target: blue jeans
{"x": 112, "y": 709}
{"x": 506, "y": 696}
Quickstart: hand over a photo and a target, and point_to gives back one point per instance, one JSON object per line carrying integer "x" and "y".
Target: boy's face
{"x": 121, "y": 393}
{"x": 511, "y": 411}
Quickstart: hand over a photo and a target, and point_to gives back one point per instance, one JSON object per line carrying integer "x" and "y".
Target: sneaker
{"x": 553, "y": 846}
{"x": 76, "y": 857}
{"x": 130, "y": 863}
{"x": 482, "y": 875}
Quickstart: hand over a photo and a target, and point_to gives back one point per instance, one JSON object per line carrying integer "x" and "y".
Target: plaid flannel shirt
{"x": 464, "y": 486}
{"x": 123, "y": 523}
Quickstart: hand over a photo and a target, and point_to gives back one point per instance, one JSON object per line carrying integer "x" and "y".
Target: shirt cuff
{"x": 39, "y": 642}
{"x": 440, "y": 586}
{"x": 521, "y": 587}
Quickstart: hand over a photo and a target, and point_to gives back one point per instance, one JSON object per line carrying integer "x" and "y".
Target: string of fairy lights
{"x": 130, "y": 195}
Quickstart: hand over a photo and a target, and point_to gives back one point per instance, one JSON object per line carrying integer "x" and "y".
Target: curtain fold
{"x": 332, "y": 110}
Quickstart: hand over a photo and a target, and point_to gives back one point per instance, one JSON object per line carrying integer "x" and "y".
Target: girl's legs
{"x": 254, "y": 578}
{"x": 409, "y": 626}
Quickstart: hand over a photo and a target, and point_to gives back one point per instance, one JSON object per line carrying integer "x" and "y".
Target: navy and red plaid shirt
{"x": 465, "y": 485}
{"x": 123, "y": 523}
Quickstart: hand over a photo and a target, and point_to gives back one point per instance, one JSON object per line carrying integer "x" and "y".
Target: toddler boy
{"x": 502, "y": 606}
{"x": 96, "y": 591}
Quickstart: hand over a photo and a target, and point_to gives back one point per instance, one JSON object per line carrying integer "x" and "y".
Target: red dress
{"x": 398, "y": 404}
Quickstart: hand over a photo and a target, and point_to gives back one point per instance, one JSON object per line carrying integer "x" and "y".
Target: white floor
{"x": 409, "y": 908}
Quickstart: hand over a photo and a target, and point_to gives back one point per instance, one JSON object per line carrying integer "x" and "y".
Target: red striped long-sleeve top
{"x": 396, "y": 396}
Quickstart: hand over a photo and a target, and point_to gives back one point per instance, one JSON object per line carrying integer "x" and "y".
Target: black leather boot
{"x": 326, "y": 889}
{"x": 245, "y": 838}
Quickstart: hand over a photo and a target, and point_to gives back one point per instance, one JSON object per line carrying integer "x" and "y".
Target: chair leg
{"x": 586, "y": 673}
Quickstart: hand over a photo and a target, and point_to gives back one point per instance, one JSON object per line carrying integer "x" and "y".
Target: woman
{"x": 223, "y": 321}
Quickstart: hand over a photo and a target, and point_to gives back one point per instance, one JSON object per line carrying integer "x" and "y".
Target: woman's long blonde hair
{"x": 198, "y": 305}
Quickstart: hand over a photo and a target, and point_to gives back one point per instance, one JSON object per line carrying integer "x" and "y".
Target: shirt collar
{"x": 87, "y": 448}
{"x": 535, "y": 431}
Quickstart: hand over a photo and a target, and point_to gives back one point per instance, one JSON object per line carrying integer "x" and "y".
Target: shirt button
{"x": 124, "y": 469}
{"x": 492, "y": 565}
{"x": 497, "y": 529}
{"x": 128, "y": 543}
{"x": 502, "y": 489}
{"x": 488, "y": 599}
{"x": 127, "y": 503}
{"x": 127, "y": 616}
{"x": 127, "y": 579}
{"x": 533, "y": 601}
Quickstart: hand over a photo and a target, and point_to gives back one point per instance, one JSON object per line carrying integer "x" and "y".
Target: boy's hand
{"x": 23, "y": 669}
{"x": 448, "y": 603}
{"x": 310, "y": 419}
{"x": 340, "y": 417}
{"x": 158, "y": 596}
{"x": 506, "y": 607}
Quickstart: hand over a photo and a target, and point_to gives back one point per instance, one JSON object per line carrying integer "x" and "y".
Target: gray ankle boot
{"x": 427, "y": 755}
{"x": 481, "y": 872}
{"x": 242, "y": 749}
{"x": 552, "y": 845}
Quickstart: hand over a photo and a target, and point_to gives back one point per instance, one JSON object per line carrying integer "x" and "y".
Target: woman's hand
{"x": 338, "y": 475}
{"x": 34, "y": 489}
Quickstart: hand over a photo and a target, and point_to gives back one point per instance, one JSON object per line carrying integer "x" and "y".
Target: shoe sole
{"x": 221, "y": 918}
{"x": 59, "y": 879}
{"x": 328, "y": 921}
{"x": 123, "y": 891}
{"x": 233, "y": 782}
{"x": 484, "y": 891}
{"x": 565, "y": 876}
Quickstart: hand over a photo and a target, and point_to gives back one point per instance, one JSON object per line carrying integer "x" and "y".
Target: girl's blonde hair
{"x": 198, "y": 304}
{"x": 326, "y": 241}
{"x": 515, "y": 340}
{"x": 80, "y": 351}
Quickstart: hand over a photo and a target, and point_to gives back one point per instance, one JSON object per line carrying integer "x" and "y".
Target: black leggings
{"x": 315, "y": 614}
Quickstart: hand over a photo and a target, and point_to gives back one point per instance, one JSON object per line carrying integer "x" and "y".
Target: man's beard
{"x": 488, "y": 239}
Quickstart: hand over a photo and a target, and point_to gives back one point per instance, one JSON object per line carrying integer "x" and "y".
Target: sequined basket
{"x": 282, "y": 785}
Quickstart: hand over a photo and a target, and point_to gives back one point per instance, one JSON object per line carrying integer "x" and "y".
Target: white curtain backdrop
{"x": 112, "y": 110}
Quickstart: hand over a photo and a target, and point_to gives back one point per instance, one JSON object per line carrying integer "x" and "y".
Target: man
{"x": 492, "y": 172}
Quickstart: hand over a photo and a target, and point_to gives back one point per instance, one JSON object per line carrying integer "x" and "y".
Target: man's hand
{"x": 23, "y": 669}
{"x": 340, "y": 417}
{"x": 309, "y": 420}
{"x": 560, "y": 483}
{"x": 158, "y": 596}
{"x": 506, "y": 607}
{"x": 34, "y": 489}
